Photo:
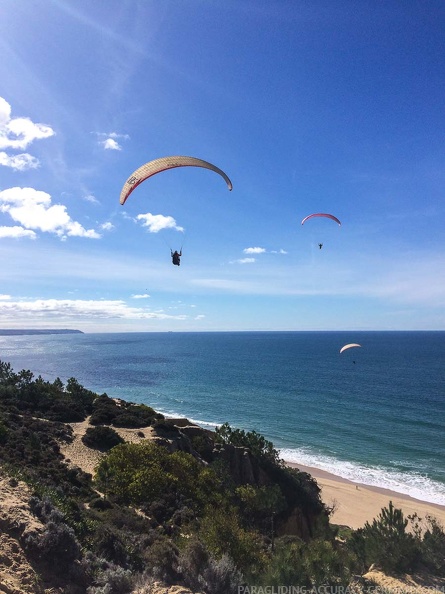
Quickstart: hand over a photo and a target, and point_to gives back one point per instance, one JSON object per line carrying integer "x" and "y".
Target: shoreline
{"x": 357, "y": 503}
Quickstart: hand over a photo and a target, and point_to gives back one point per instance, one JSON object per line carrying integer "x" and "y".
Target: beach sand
{"x": 354, "y": 504}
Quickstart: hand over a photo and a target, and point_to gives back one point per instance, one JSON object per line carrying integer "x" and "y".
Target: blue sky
{"x": 308, "y": 106}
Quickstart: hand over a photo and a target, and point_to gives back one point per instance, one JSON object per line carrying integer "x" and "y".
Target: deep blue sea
{"x": 374, "y": 414}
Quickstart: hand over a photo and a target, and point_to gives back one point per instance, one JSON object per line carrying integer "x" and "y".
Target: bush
{"x": 101, "y": 438}
{"x": 386, "y": 542}
{"x": 311, "y": 565}
{"x": 56, "y": 547}
{"x": 107, "y": 411}
{"x": 140, "y": 474}
{"x": 222, "y": 576}
{"x": 113, "y": 580}
{"x": 223, "y": 534}
{"x": 161, "y": 561}
{"x": 433, "y": 547}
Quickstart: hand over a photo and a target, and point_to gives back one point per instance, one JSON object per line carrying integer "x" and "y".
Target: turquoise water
{"x": 374, "y": 414}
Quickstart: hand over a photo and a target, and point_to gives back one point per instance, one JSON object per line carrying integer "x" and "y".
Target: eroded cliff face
{"x": 17, "y": 576}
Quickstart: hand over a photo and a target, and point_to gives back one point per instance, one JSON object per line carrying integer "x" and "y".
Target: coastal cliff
{"x": 101, "y": 495}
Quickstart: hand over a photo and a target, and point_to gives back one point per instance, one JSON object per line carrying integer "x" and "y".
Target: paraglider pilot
{"x": 176, "y": 257}
{"x": 320, "y": 245}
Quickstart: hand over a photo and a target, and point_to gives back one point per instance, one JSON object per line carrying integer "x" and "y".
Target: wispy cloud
{"x": 19, "y": 162}
{"x": 91, "y": 198}
{"x": 243, "y": 261}
{"x": 261, "y": 250}
{"x": 63, "y": 309}
{"x": 18, "y": 134}
{"x": 144, "y": 296}
{"x": 156, "y": 223}
{"x": 107, "y": 226}
{"x": 33, "y": 210}
{"x": 254, "y": 250}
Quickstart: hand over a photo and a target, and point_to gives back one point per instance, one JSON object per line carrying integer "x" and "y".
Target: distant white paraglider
{"x": 349, "y": 346}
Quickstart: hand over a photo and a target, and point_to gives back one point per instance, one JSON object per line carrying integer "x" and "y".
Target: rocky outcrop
{"x": 243, "y": 467}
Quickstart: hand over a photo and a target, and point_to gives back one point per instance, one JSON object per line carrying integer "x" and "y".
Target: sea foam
{"x": 411, "y": 483}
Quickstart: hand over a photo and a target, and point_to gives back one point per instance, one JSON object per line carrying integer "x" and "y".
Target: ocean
{"x": 374, "y": 414}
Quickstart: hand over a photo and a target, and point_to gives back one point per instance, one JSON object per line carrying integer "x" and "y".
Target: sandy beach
{"x": 354, "y": 504}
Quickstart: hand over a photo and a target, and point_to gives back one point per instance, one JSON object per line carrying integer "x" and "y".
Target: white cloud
{"x": 260, "y": 250}
{"x": 5, "y": 112}
{"x": 110, "y": 141}
{"x": 33, "y": 210}
{"x": 254, "y": 250}
{"x": 116, "y": 135}
{"x": 107, "y": 226}
{"x": 244, "y": 261}
{"x": 91, "y": 198}
{"x": 144, "y": 296}
{"x": 156, "y": 223}
{"x": 111, "y": 144}
{"x": 19, "y": 133}
{"x": 16, "y": 232}
{"x": 4, "y": 297}
{"x": 77, "y": 309}
{"x": 19, "y": 162}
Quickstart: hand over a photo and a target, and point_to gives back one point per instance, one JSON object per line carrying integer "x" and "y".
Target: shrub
{"x": 223, "y": 534}
{"x": 311, "y": 565}
{"x": 129, "y": 420}
{"x": 100, "y": 503}
{"x": 193, "y": 560}
{"x": 433, "y": 547}
{"x": 143, "y": 473}
{"x": 113, "y": 580}
{"x": 161, "y": 561}
{"x": 221, "y": 576}
{"x": 101, "y": 438}
{"x": 108, "y": 543}
{"x": 57, "y": 547}
{"x": 3, "y": 431}
{"x": 386, "y": 542}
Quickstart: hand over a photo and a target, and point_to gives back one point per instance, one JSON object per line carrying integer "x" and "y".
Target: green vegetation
{"x": 389, "y": 543}
{"x": 256, "y": 443}
{"x": 101, "y": 438}
{"x": 181, "y": 510}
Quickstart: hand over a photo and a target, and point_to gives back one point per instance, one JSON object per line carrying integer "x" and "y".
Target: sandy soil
{"x": 16, "y": 521}
{"x": 78, "y": 454}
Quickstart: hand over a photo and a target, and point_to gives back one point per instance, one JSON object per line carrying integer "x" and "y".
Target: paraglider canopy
{"x": 162, "y": 164}
{"x": 320, "y": 214}
{"x": 349, "y": 346}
